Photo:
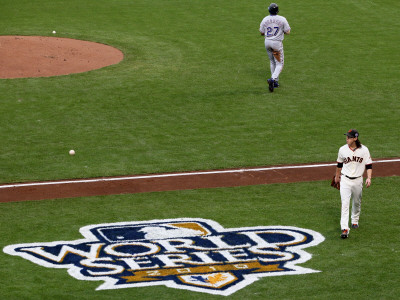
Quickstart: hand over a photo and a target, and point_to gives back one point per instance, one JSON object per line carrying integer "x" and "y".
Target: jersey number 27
{"x": 271, "y": 29}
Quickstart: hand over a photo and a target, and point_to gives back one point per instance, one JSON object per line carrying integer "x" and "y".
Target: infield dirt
{"x": 181, "y": 181}
{"x": 42, "y": 56}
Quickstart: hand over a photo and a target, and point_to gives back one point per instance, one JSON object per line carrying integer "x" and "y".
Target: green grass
{"x": 370, "y": 254}
{"x": 191, "y": 94}
{"x": 191, "y": 91}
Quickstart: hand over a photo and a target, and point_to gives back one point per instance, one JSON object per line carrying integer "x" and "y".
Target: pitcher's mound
{"x": 39, "y": 56}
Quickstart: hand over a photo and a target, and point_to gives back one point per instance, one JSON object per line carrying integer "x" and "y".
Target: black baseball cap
{"x": 352, "y": 133}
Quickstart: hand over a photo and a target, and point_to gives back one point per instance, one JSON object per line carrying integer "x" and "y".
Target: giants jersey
{"x": 274, "y": 27}
{"x": 354, "y": 162}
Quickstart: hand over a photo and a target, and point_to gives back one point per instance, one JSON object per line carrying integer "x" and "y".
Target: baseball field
{"x": 190, "y": 94}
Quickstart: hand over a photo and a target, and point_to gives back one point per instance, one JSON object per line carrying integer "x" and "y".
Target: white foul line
{"x": 174, "y": 175}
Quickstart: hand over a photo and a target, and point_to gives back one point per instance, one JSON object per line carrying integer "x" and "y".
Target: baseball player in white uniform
{"x": 353, "y": 159}
{"x": 273, "y": 28}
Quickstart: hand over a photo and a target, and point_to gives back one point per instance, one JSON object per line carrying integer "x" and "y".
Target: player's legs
{"x": 272, "y": 63}
{"x": 345, "y": 195}
{"x": 279, "y": 61}
{"x": 356, "y": 197}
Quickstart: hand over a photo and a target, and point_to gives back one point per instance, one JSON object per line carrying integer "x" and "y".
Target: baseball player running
{"x": 353, "y": 159}
{"x": 273, "y": 28}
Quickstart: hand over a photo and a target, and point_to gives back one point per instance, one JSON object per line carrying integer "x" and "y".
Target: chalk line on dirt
{"x": 149, "y": 176}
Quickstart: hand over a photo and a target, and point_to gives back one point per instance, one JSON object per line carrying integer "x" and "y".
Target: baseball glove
{"x": 334, "y": 184}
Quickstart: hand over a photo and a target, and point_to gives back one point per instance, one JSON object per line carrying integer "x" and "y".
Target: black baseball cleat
{"x": 355, "y": 226}
{"x": 271, "y": 83}
{"x": 345, "y": 234}
{"x": 276, "y": 84}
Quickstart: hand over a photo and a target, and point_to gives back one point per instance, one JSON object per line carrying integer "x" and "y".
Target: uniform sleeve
{"x": 286, "y": 26}
{"x": 340, "y": 157}
{"x": 368, "y": 159}
{"x": 262, "y": 30}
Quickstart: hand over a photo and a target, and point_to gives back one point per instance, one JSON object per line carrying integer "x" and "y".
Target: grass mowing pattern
{"x": 191, "y": 92}
{"x": 369, "y": 254}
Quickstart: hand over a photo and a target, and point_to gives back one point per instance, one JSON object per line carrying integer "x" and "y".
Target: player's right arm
{"x": 286, "y": 27}
{"x": 338, "y": 172}
{"x": 339, "y": 167}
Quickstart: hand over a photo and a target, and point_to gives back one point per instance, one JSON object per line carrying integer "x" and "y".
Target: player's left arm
{"x": 368, "y": 166}
{"x": 369, "y": 175}
{"x": 262, "y": 29}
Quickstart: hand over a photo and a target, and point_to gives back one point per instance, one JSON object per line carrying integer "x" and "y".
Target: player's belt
{"x": 352, "y": 178}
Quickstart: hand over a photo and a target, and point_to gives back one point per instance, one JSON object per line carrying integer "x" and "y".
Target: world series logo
{"x": 192, "y": 254}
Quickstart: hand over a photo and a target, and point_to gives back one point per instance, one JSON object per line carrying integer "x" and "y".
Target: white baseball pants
{"x": 350, "y": 189}
{"x": 276, "y": 57}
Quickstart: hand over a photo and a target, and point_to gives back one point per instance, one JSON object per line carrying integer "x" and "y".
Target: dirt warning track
{"x": 181, "y": 181}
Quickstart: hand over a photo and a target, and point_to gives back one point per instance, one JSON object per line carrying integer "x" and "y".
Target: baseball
{"x": 71, "y": 152}
{"x": 54, "y": 31}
